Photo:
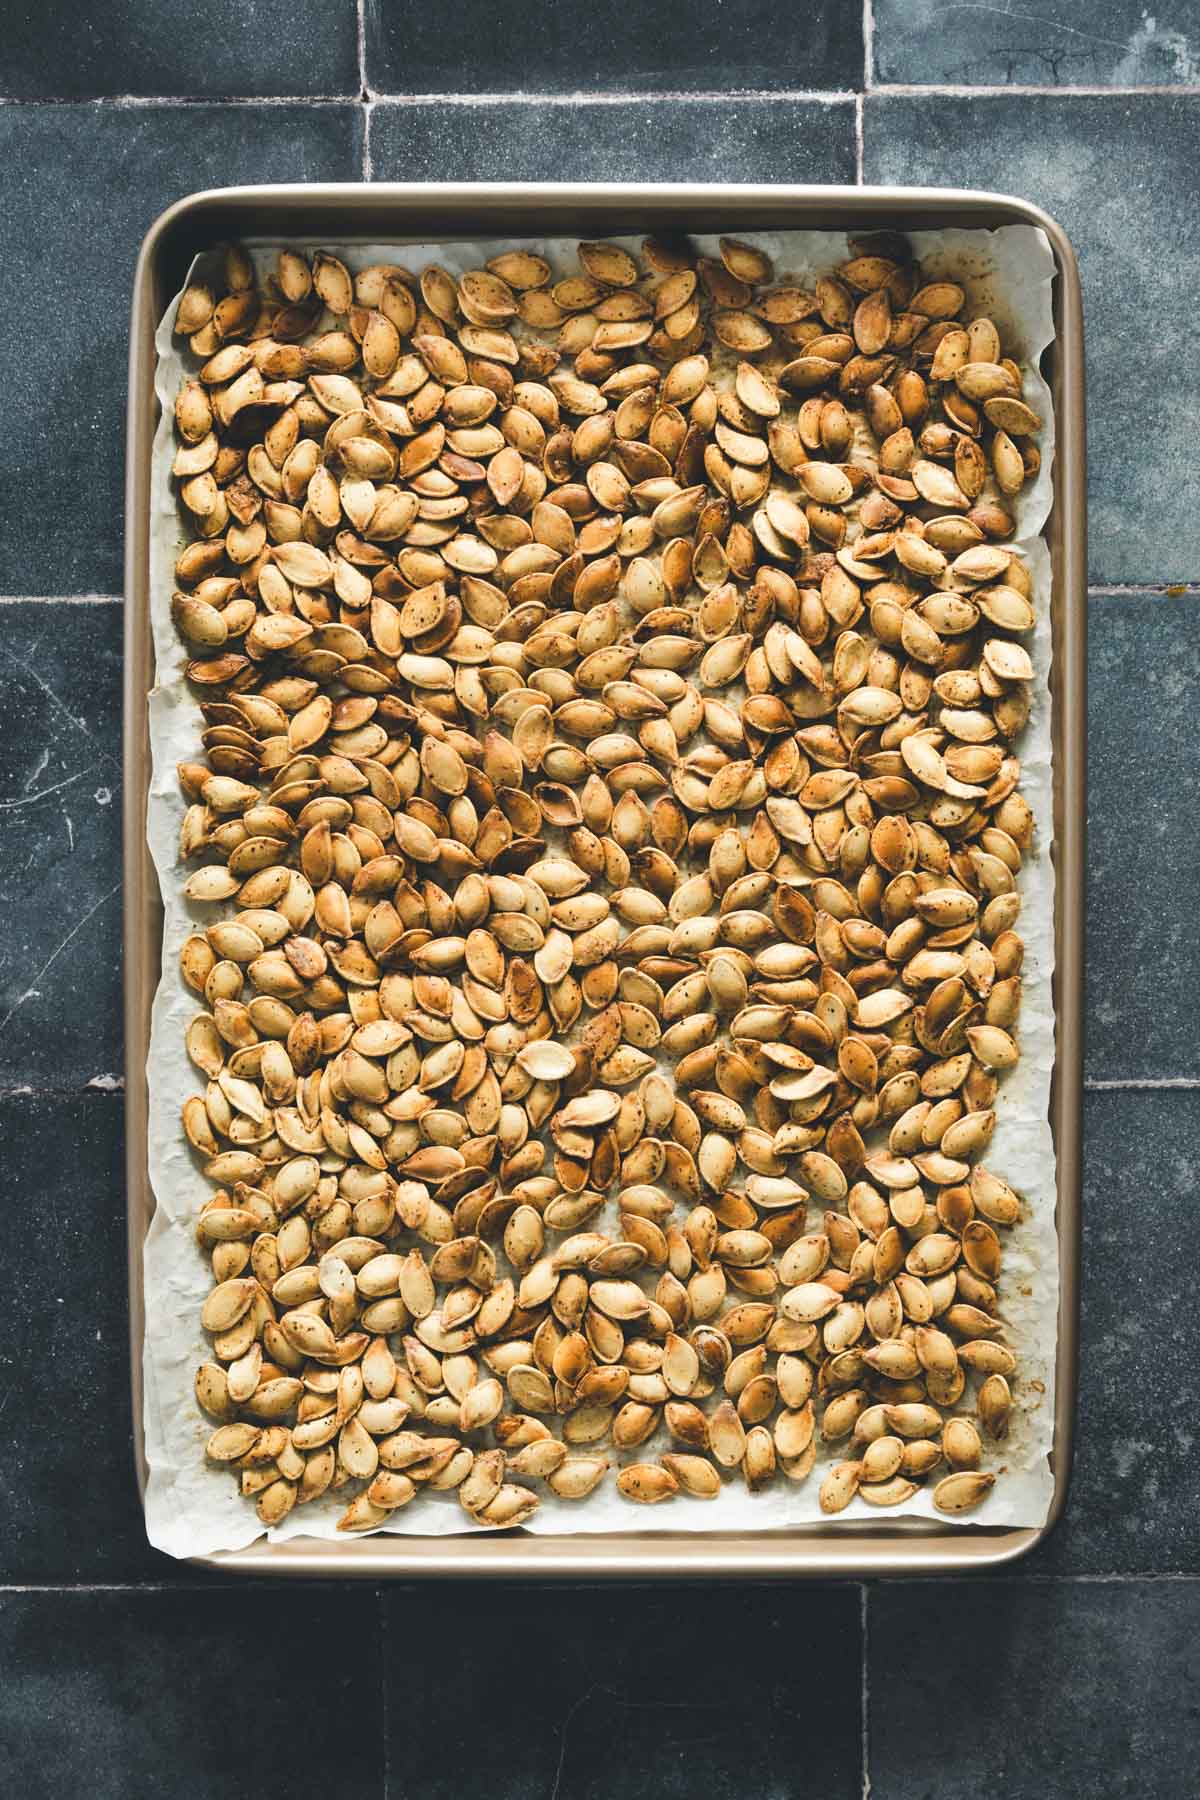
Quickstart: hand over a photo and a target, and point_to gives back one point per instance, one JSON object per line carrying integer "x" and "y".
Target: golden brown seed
{"x": 963, "y": 1490}
{"x": 647, "y": 1483}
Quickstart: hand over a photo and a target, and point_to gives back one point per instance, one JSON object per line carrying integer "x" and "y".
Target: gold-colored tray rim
{"x": 427, "y": 212}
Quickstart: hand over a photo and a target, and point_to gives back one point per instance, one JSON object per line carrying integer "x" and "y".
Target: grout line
{"x": 128, "y": 102}
{"x": 1137, "y": 1084}
{"x": 583, "y": 97}
{"x": 364, "y": 92}
{"x": 858, "y": 139}
{"x": 1175, "y": 589}
{"x": 27, "y": 1090}
{"x": 990, "y": 90}
{"x": 813, "y": 96}
{"x": 224, "y": 1585}
{"x": 868, "y": 45}
{"x": 866, "y": 1697}
{"x": 61, "y": 600}
{"x": 361, "y": 45}
{"x": 110, "y": 1587}
{"x": 1159, "y": 1578}
{"x": 385, "y": 1708}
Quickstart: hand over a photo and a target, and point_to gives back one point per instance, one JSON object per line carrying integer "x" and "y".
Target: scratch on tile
{"x": 28, "y": 799}
{"x": 564, "y": 1729}
{"x": 62, "y": 707}
{"x": 1008, "y": 12}
{"x": 53, "y": 958}
{"x": 43, "y": 760}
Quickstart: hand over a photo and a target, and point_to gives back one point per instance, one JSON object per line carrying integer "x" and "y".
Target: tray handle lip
{"x": 855, "y": 200}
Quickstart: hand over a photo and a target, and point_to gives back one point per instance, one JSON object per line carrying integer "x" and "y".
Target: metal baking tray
{"x": 423, "y": 213}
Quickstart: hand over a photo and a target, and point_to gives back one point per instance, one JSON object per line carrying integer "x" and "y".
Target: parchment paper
{"x": 193, "y": 1508}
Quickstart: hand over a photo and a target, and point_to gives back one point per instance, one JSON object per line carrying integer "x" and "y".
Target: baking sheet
{"x": 195, "y": 1509}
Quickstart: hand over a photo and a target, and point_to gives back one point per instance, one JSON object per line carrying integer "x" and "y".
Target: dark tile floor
{"x": 124, "y": 1674}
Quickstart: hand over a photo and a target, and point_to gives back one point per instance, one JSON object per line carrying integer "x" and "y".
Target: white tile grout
{"x": 583, "y": 97}
{"x": 61, "y": 600}
{"x": 368, "y": 166}
{"x": 868, "y": 45}
{"x": 1018, "y": 89}
{"x": 858, "y": 140}
{"x": 1176, "y": 589}
{"x": 1137, "y": 1084}
{"x": 784, "y": 96}
{"x": 47, "y": 1090}
{"x": 361, "y": 43}
{"x": 366, "y": 99}
{"x": 127, "y": 102}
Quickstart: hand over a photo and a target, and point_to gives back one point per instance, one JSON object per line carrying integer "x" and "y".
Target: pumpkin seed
{"x": 581, "y": 705}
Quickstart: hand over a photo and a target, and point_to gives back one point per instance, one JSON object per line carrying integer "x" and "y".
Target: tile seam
{"x": 131, "y": 102}
{"x": 1100, "y": 1578}
{"x": 865, "y": 1701}
{"x": 1174, "y": 590}
{"x": 580, "y": 97}
{"x": 32, "y": 1090}
{"x": 364, "y": 91}
{"x": 360, "y": 25}
{"x": 62, "y": 599}
{"x": 1098, "y": 1084}
{"x": 821, "y": 96}
{"x": 949, "y": 90}
{"x": 385, "y": 1708}
{"x": 830, "y": 97}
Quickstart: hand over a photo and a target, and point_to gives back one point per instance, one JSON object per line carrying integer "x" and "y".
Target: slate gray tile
{"x": 1014, "y": 1690}
{"x": 189, "y": 1696}
{"x": 1119, "y": 173}
{"x": 82, "y": 185}
{"x": 465, "y": 47}
{"x": 60, "y": 842}
{"x": 69, "y": 1509}
{"x": 1109, "y": 43}
{"x": 630, "y": 140}
{"x": 208, "y": 49}
{"x": 1143, "y": 792}
{"x": 651, "y": 1694}
{"x": 1134, "y": 1502}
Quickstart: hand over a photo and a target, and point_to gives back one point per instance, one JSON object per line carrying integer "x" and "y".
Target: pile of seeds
{"x": 610, "y": 817}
